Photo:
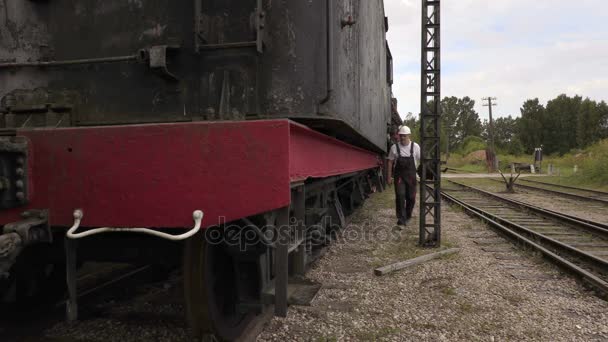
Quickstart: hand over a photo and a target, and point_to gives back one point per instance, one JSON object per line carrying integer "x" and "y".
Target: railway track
{"x": 578, "y": 245}
{"x": 592, "y": 194}
{"x": 562, "y": 190}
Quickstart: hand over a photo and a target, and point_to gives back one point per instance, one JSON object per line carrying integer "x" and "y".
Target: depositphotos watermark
{"x": 325, "y": 232}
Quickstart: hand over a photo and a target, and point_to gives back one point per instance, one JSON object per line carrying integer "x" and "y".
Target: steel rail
{"x": 566, "y": 194}
{"x": 592, "y": 279}
{"x": 589, "y": 225}
{"x": 597, "y": 262}
{"x": 604, "y": 193}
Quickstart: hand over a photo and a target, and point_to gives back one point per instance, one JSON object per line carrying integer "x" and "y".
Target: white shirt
{"x": 405, "y": 152}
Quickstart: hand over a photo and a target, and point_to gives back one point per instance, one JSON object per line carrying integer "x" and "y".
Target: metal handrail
{"x": 197, "y": 216}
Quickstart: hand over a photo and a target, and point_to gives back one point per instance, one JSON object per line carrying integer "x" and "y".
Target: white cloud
{"x": 513, "y": 50}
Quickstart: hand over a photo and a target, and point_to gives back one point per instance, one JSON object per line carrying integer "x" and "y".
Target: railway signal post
{"x": 430, "y": 108}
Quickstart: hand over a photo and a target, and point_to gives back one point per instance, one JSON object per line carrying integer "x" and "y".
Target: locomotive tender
{"x": 121, "y": 114}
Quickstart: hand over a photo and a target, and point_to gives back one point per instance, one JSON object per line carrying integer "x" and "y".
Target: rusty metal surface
{"x": 227, "y": 79}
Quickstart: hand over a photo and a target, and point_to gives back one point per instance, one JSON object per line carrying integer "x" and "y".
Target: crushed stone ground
{"x": 497, "y": 294}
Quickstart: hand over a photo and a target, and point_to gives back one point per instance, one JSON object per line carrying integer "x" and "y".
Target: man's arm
{"x": 417, "y": 154}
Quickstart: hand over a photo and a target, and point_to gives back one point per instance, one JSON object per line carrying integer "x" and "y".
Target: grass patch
{"x": 473, "y": 168}
{"x": 466, "y": 307}
{"x": 448, "y": 291}
{"x": 425, "y": 326}
{"x": 578, "y": 180}
{"x": 514, "y": 299}
{"x": 377, "y": 201}
{"x": 406, "y": 248}
{"x": 399, "y": 245}
{"x": 455, "y": 208}
{"x": 591, "y": 163}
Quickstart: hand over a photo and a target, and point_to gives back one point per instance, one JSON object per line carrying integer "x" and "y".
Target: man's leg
{"x": 410, "y": 197}
{"x": 400, "y": 191}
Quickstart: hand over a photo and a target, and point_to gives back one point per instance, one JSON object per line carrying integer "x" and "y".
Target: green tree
{"x": 602, "y": 108}
{"x": 459, "y": 120}
{"x": 472, "y": 143}
{"x": 414, "y": 124}
{"x": 449, "y": 117}
{"x": 559, "y": 124}
{"x": 505, "y": 131}
{"x": 530, "y": 125}
{"x": 589, "y": 123}
{"x": 515, "y": 147}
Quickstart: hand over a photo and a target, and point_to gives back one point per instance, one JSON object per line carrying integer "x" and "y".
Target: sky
{"x": 513, "y": 50}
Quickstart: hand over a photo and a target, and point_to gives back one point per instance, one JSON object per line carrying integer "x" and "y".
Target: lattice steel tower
{"x": 430, "y": 114}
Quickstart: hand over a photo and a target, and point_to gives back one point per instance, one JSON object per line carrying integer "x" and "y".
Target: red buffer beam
{"x": 156, "y": 175}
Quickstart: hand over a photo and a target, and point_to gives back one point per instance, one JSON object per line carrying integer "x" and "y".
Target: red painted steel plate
{"x": 316, "y": 155}
{"x": 156, "y": 175}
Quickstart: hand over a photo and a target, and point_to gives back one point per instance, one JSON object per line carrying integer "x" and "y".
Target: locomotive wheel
{"x": 210, "y": 291}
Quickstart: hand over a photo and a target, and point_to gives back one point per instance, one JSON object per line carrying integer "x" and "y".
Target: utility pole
{"x": 491, "y": 104}
{"x": 430, "y": 119}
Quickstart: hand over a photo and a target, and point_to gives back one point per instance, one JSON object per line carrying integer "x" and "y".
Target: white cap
{"x": 404, "y": 130}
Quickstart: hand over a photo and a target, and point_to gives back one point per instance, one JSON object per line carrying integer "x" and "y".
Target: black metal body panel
{"x": 220, "y": 73}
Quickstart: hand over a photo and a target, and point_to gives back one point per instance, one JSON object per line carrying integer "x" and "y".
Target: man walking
{"x": 403, "y": 159}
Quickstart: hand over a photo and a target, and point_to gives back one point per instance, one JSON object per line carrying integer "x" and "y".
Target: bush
{"x": 456, "y": 160}
{"x": 515, "y": 147}
{"x": 595, "y": 165}
{"x": 472, "y": 144}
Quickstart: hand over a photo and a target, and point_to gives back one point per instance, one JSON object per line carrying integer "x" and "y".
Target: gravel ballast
{"x": 490, "y": 291}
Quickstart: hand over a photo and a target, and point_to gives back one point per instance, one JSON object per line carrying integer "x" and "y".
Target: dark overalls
{"x": 405, "y": 184}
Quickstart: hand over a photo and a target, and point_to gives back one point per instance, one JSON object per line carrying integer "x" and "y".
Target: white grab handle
{"x": 197, "y": 216}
